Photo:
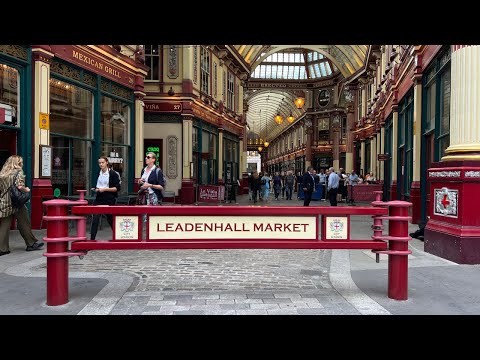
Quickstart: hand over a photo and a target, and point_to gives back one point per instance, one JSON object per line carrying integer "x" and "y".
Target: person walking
{"x": 289, "y": 184}
{"x": 12, "y": 171}
{"x": 265, "y": 187}
{"x": 108, "y": 185}
{"x": 308, "y": 186}
{"x": 333, "y": 183}
{"x": 256, "y": 185}
{"x": 277, "y": 185}
{"x": 353, "y": 181}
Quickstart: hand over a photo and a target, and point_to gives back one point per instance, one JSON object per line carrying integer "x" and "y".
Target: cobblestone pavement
{"x": 215, "y": 282}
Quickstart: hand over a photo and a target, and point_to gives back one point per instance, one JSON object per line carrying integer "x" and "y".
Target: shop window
{"x": 9, "y": 95}
{"x": 71, "y": 109}
{"x": 114, "y": 121}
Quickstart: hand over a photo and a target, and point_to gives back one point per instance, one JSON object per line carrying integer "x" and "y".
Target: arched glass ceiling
{"x": 347, "y": 58}
{"x": 293, "y": 64}
{"x": 263, "y": 105}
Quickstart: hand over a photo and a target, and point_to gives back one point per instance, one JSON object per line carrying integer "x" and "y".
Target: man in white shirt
{"x": 333, "y": 183}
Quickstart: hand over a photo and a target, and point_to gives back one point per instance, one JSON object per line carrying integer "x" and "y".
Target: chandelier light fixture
{"x": 299, "y": 102}
{"x": 278, "y": 118}
{"x": 290, "y": 118}
{"x": 260, "y": 149}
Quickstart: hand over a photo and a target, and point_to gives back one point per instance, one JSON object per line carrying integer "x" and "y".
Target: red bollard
{"x": 57, "y": 267}
{"x": 82, "y": 223}
{"x": 398, "y": 250}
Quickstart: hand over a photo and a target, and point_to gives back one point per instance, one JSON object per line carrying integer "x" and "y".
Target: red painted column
{"x": 398, "y": 250}
{"x": 453, "y": 231}
{"x": 57, "y": 267}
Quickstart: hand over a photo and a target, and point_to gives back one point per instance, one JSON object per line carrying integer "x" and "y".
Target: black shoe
{"x": 4, "y": 252}
{"x": 420, "y": 237}
{"x": 37, "y": 246}
{"x": 415, "y": 234}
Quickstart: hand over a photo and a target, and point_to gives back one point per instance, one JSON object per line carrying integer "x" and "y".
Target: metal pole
{"x": 398, "y": 250}
{"x": 57, "y": 267}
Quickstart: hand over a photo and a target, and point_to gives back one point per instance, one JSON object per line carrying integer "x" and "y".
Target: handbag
{"x": 141, "y": 197}
{"x": 18, "y": 197}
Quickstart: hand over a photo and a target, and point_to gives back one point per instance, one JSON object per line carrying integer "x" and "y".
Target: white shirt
{"x": 103, "y": 180}
{"x": 145, "y": 176}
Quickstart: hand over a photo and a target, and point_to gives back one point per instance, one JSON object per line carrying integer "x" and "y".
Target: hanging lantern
{"x": 290, "y": 118}
{"x": 266, "y": 143}
{"x": 278, "y": 119}
{"x": 260, "y": 149}
{"x": 299, "y": 102}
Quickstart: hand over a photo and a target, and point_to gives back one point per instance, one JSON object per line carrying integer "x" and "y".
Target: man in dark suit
{"x": 308, "y": 185}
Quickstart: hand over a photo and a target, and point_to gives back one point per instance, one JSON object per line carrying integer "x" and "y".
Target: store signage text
{"x": 232, "y": 227}
{"x": 163, "y": 107}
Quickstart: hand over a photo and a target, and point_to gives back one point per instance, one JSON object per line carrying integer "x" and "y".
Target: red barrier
{"x": 328, "y": 228}
{"x": 57, "y": 247}
{"x": 398, "y": 251}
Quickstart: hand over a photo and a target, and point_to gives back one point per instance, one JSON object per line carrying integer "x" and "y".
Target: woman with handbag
{"x": 12, "y": 175}
{"x": 151, "y": 183}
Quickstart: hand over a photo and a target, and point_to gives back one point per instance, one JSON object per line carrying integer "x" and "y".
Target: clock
{"x": 323, "y": 124}
{"x": 323, "y": 97}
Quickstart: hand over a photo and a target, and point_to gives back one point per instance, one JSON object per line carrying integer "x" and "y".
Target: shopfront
{"x": 91, "y": 99}
{"x": 15, "y": 104}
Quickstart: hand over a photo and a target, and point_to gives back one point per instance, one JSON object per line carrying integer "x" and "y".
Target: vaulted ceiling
{"x": 319, "y": 61}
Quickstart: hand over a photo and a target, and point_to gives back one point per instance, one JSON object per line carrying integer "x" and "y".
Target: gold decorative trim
{"x": 454, "y": 150}
{"x": 104, "y": 85}
{"x": 89, "y": 80}
{"x": 460, "y": 157}
{"x": 65, "y": 70}
{"x": 121, "y": 92}
{"x": 15, "y": 51}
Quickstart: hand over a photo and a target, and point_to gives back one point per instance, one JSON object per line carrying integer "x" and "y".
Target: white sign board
{"x": 233, "y": 227}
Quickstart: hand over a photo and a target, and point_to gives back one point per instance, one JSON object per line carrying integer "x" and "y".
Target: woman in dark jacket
{"x": 108, "y": 184}
{"x": 151, "y": 181}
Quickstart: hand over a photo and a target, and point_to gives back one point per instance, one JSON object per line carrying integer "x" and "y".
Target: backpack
{"x": 264, "y": 182}
{"x": 163, "y": 177}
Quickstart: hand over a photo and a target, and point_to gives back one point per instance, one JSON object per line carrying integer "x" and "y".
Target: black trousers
{"x": 96, "y": 217}
{"x": 332, "y": 195}
{"x": 307, "y": 197}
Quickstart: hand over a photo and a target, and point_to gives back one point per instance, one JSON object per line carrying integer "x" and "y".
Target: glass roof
{"x": 295, "y": 64}
{"x": 345, "y": 58}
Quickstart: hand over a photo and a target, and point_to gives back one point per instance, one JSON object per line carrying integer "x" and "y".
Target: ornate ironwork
{"x": 65, "y": 70}
{"x": 121, "y": 92}
{"x": 89, "y": 79}
{"x": 14, "y": 50}
{"x": 105, "y": 85}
